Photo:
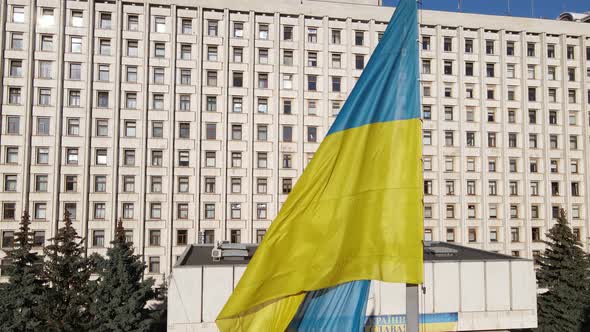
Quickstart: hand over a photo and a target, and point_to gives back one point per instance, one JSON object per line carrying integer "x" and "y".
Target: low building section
{"x": 464, "y": 289}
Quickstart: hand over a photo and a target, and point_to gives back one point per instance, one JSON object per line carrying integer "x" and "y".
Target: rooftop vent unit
{"x": 229, "y": 251}
{"x": 440, "y": 251}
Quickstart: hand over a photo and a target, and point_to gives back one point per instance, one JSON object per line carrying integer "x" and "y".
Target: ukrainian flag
{"x": 356, "y": 212}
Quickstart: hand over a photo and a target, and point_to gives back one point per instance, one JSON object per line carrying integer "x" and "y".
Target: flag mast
{"x": 412, "y": 290}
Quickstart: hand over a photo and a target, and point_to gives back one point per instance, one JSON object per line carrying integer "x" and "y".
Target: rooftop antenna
{"x": 459, "y": 3}
{"x": 509, "y": 11}
{"x": 532, "y": 8}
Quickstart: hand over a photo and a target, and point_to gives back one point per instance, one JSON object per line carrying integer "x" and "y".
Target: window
{"x": 159, "y": 24}
{"x": 448, "y": 113}
{"x": 287, "y": 160}
{"x": 10, "y": 182}
{"x": 263, "y": 80}
{"x": 181, "y": 237}
{"x": 261, "y": 186}
{"x": 16, "y": 41}
{"x": 158, "y": 77}
{"x": 71, "y": 183}
{"x": 212, "y": 28}
{"x": 260, "y": 235}
{"x": 72, "y": 156}
{"x": 426, "y": 66}
{"x": 468, "y": 68}
{"x": 105, "y": 21}
{"x": 40, "y": 211}
{"x": 18, "y": 14}
{"x": 471, "y": 164}
{"x": 129, "y": 157}
{"x": 359, "y": 38}
{"x": 472, "y": 235}
{"x": 359, "y": 61}
{"x": 237, "y": 104}
{"x": 131, "y": 73}
{"x": 512, "y": 140}
{"x": 262, "y": 132}
{"x": 102, "y": 99}
{"x": 42, "y": 156}
{"x": 287, "y": 185}
{"x": 157, "y": 129}
{"x": 236, "y": 132}
{"x": 489, "y": 47}
{"x": 575, "y": 186}
{"x": 183, "y": 158}
{"x": 532, "y": 94}
{"x": 14, "y": 96}
{"x": 427, "y": 112}
{"x": 238, "y": 31}
{"x": 450, "y": 211}
{"x": 156, "y": 184}
{"x": 45, "y": 69}
{"x": 574, "y": 168}
{"x": 471, "y": 187}
{"x": 186, "y": 26}
{"x": 336, "y": 36}
{"x": 235, "y": 211}
{"x": 312, "y": 59}
{"x": 16, "y": 68}
{"x": 155, "y": 210}
{"x": 468, "y": 45}
{"x": 312, "y": 134}
{"x": 448, "y": 67}
{"x": 100, "y": 183}
{"x": 490, "y": 70}
{"x": 530, "y": 49}
{"x": 73, "y": 126}
{"x": 100, "y": 155}
{"x": 11, "y": 155}
{"x": 553, "y": 117}
{"x": 428, "y": 211}
{"x": 132, "y": 48}
{"x": 450, "y": 187}
{"x": 492, "y": 188}
{"x": 154, "y": 264}
{"x": 185, "y": 52}
{"x": 427, "y": 137}
{"x": 448, "y": 44}
{"x": 571, "y": 94}
{"x": 7, "y": 239}
{"x": 184, "y": 130}
{"x": 553, "y": 142}
{"x": 133, "y": 22}
{"x": 287, "y": 133}
{"x": 570, "y": 52}
{"x": 428, "y": 187}
{"x": 263, "y": 31}
{"x": 76, "y": 44}
{"x": 98, "y": 238}
{"x": 555, "y": 188}
{"x": 449, "y": 138}
{"x": 128, "y": 210}
{"x": 158, "y": 101}
{"x": 128, "y": 183}
{"x": 13, "y": 125}
{"x": 450, "y": 235}
{"x": 262, "y": 105}
{"x": 211, "y": 78}
{"x": 336, "y": 83}
{"x": 71, "y": 209}
{"x": 514, "y": 234}
{"x": 573, "y": 142}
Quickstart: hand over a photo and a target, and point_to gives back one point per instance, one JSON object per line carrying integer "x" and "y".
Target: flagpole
{"x": 412, "y": 292}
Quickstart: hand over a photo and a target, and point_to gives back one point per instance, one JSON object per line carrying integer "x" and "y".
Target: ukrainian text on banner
{"x": 439, "y": 322}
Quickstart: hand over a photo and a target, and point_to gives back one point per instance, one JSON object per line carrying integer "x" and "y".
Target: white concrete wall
{"x": 491, "y": 295}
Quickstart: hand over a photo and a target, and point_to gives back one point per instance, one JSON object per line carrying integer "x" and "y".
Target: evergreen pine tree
{"x": 564, "y": 273}
{"x": 21, "y": 296}
{"x": 65, "y": 306}
{"x": 121, "y": 295}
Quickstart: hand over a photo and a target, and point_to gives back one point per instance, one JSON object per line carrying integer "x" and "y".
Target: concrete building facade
{"x": 192, "y": 120}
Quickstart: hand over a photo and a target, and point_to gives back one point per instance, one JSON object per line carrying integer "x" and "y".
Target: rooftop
{"x": 200, "y": 254}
